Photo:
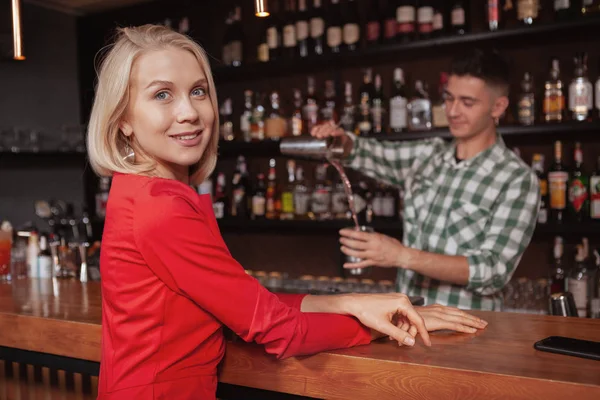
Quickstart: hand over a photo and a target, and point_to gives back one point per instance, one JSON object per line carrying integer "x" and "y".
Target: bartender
{"x": 470, "y": 206}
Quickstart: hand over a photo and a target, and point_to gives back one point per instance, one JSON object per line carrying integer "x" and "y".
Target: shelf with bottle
{"x": 388, "y": 50}
{"x": 32, "y": 159}
{"x": 235, "y": 225}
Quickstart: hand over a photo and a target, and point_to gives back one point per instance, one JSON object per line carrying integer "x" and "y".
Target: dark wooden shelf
{"x": 45, "y": 159}
{"x": 230, "y": 225}
{"x": 270, "y": 148}
{"x": 565, "y": 30}
{"x": 569, "y": 229}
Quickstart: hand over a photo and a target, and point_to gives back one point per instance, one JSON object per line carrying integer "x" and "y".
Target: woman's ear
{"x": 126, "y": 128}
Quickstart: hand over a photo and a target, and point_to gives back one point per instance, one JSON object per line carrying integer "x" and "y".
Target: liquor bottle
{"x": 275, "y": 124}
{"x": 458, "y": 18}
{"x": 329, "y": 109}
{"x": 302, "y": 195}
{"x": 311, "y": 106}
{"x": 236, "y": 38}
{"x": 373, "y": 34}
{"x": 595, "y": 193}
{"x": 579, "y": 202}
{"x": 351, "y": 26}
{"x": 526, "y": 104}
{"x": 263, "y": 50}
{"x": 339, "y": 201}
{"x": 406, "y": 15}
{"x": 398, "y": 103}
{"x": 365, "y": 122}
{"x": 578, "y": 282}
{"x": 554, "y": 98}
{"x": 102, "y": 196}
{"x": 425, "y": 19}
{"x": 580, "y": 90}
{"x": 389, "y": 205}
{"x": 597, "y": 94}
{"x": 557, "y": 280}
{"x": 334, "y": 27}
{"x": 537, "y": 164}
{"x": 290, "y": 40}
{"x": 220, "y": 204}
{"x": 321, "y": 196}
{"x": 246, "y": 117}
{"x": 257, "y": 126}
{"x": 271, "y": 196}
{"x": 274, "y": 32}
{"x": 347, "y": 121}
{"x": 565, "y": 9}
{"x": 390, "y": 23}
{"x": 527, "y": 11}
{"x": 439, "y": 25}
{"x": 493, "y": 13}
{"x": 240, "y": 190}
{"x": 317, "y": 29}
{"x": 259, "y": 198}
{"x": 287, "y": 195}
{"x": 377, "y": 203}
{"x": 419, "y": 109}
{"x": 44, "y": 259}
{"x": 558, "y": 178}
{"x": 439, "y": 109}
{"x": 378, "y": 107}
{"x": 590, "y": 7}
{"x": 296, "y": 121}
{"x": 226, "y": 55}
{"x": 226, "y": 121}
{"x": 302, "y": 29}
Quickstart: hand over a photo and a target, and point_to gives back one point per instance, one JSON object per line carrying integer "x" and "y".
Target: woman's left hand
{"x": 374, "y": 249}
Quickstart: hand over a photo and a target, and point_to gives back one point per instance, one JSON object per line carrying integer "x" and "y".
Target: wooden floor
{"x": 26, "y": 382}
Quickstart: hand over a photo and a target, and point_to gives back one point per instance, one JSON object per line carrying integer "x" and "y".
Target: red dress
{"x": 169, "y": 284}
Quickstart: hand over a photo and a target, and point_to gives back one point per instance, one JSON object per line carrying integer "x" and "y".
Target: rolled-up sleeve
{"x": 509, "y": 232}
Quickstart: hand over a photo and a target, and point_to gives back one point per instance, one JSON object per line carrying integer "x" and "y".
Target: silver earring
{"x": 129, "y": 153}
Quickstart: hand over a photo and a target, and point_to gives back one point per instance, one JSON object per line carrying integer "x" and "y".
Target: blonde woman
{"x": 169, "y": 284}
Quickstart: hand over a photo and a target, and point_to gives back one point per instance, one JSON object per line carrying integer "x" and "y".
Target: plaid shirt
{"x": 484, "y": 208}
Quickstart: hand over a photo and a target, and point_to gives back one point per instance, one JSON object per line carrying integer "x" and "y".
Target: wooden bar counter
{"x": 62, "y": 318}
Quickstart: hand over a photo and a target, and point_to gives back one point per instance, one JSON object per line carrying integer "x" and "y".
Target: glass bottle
{"x": 419, "y": 109}
{"x": 526, "y": 102}
{"x": 554, "y": 98}
{"x": 580, "y": 90}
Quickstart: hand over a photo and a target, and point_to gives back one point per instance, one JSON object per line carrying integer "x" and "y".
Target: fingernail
{"x": 409, "y": 341}
{"x": 473, "y": 330}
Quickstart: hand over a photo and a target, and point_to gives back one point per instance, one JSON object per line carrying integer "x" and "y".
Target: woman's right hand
{"x": 438, "y": 317}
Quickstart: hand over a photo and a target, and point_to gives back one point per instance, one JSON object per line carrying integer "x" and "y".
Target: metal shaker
{"x": 562, "y": 304}
{"x": 351, "y": 259}
{"x": 310, "y": 147}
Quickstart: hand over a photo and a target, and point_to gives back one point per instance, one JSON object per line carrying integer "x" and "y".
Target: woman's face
{"x": 170, "y": 114}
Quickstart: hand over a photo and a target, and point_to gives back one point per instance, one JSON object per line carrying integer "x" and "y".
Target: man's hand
{"x": 374, "y": 249}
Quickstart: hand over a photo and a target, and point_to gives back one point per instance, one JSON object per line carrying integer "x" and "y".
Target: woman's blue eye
{"x": 199, "y": 92}
{"x": 161, "y": 96}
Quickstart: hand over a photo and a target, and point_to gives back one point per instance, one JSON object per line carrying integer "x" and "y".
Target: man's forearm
{"x": 452, "y": 269}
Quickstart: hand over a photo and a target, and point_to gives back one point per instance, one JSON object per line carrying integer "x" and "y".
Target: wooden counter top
{"x": 63, "y": 318}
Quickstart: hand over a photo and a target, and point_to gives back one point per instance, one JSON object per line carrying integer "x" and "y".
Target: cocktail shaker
{"x": 351, "y": 259}
{"x": 310, "y": 147}
{"x": 562, "y": 304}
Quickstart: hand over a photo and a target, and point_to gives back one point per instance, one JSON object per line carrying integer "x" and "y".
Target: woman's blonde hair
{"x": 107, "y": 145}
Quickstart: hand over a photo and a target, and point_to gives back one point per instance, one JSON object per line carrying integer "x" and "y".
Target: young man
{"x": 470, "y": 206}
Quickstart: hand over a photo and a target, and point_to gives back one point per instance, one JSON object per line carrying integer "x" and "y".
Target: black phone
{"x": 570, "y": 347}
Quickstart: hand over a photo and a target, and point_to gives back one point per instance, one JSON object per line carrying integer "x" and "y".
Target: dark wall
{"x": 41, "y": 93}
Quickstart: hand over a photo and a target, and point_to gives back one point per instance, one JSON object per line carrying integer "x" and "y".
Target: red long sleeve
{"x": 178, "y": 237}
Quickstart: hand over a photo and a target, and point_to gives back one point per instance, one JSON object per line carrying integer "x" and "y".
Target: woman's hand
{"x": 438, "y": 317}
{"x": 388, "y": 314}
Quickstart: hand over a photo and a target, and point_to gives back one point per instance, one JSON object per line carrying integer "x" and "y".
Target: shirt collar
{"x": 486, "y": 159}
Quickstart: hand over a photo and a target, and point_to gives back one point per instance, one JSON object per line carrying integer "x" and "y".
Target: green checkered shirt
{"x": 484, "y": 208}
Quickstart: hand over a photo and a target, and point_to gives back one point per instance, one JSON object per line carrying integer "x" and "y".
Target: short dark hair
{"x": 488, "y": 66}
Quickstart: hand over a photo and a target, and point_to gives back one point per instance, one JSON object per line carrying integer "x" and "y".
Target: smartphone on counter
{"x": 570, "y": 347}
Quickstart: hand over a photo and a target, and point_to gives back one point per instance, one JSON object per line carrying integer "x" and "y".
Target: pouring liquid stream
{"x": 347, "y": 188}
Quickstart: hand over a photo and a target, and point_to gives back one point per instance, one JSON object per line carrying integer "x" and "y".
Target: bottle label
{"x": 579, "y": 290}
{"x": 527, "y": 9}
{"x": 458, "y": 17}
{"x": 301, "y": 203}
{"x": 405, "y": 14}
{"x": 219, "y": 209}
{"x": 561, "y": 4}
{"x": 377, "y": 114}
{"x": 391, "y": 28}
{"x": 526, "y": 110}
{"x": 493, "y": 14}
{"x": 287, "y": 202}
{"x": 425, "y": 19}
{"x": 542, "y": 216}
{"x": 317, "y": 27}
{"x": 272, "y": 38}
{"x": 439, "y": 116}
{"x": 45, "y": 266}
{"x": 398, "y": 113}
{"x": 302, "y": 30}
{"x": 245, "y": 121}
{"x": 580, "y": 97}
{"x": 554, "y": 103}
{"x": 263, "y": 52}
{"x": 595, "y": 197}
{"x": 388, "y": 206}
{"x": 558, "y": 189}
{"x": 351, "y": 33}
{"x": 236, "y": 51}
{"x": 227, "y": 54}
{"x": 438, "y": 21}
{"x": 373, "y": 31}
{"x": 321, "y": 199}
{"x": 258, "y": 206}
{"x": 334, "y": 36}
{"x": 289, "y": 36}
{"x": 577, "y": 195}
{"x": 364, "y": 127}
{"x": 543, "y": 187}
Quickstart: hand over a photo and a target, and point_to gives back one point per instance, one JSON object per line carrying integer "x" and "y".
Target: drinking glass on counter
{"x": 6, "y": 234}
